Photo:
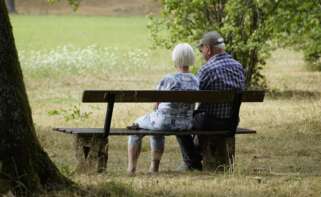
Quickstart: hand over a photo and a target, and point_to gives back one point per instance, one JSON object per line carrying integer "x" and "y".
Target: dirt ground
{"x": 90, "y": 7}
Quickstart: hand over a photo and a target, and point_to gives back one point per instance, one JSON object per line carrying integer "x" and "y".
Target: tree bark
{"x": 11, "y": 6}
{"x": 25, "y": 165}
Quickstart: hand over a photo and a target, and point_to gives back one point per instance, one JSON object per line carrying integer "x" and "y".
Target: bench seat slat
{"x": 124, "y": 131}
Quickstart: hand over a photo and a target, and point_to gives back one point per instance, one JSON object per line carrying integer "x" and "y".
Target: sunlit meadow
{"x": 63, "y": 55}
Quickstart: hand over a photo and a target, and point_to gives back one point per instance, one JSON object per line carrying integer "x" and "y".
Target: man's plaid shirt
{"x": 221, "y": 72}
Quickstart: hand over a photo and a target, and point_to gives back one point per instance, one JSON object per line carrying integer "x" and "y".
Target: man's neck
{"x": 216, "y": 54}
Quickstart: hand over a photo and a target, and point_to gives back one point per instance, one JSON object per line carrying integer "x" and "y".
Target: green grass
{"x": 47, "y": 32}
{"x": 63, "y": 55}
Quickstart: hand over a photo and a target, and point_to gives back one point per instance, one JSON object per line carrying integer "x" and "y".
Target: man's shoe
{"x": 183, "y": 167}
{"x": 197, "y": 166}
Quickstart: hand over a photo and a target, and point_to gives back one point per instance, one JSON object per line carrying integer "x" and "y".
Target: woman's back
{"x": 177, "y": 116}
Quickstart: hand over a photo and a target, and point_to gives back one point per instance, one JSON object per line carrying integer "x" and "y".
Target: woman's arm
{"x": 156, "y": 106}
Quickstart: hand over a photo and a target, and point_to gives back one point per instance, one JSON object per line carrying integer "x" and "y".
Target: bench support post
{"x": 109, "y": 114}
{"x": 218, "y": 153}
{"x": 92, "y": 151}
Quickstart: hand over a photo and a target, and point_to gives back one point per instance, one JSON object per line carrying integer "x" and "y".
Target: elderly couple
{"x": 220, "y": 72}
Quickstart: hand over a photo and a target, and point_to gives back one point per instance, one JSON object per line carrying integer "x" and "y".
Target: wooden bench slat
{"x": 123, "y": 131}
{"x": 253, "y": 96}
{"x": 140, "y": 96}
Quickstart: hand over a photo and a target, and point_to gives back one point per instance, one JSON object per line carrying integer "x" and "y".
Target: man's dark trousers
{"x": 190, "y": 151}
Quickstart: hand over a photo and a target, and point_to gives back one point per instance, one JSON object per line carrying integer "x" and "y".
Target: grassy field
{"x": 90, "y": 7}
{"x": 49, "y": 32}
{"x": 62, "y": 56}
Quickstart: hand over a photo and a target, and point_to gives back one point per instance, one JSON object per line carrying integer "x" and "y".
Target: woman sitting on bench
{"x": 167, "y": 116}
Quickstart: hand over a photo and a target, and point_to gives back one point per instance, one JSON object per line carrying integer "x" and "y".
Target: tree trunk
{"x": 11, "y": 6}
{"x": 24, "y": 163}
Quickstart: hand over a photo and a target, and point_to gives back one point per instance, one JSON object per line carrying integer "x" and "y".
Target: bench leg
{"x": 91, "y": 153}
{"x": 218, "y": 152}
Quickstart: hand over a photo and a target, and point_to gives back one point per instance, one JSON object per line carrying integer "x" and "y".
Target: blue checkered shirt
{"x": 221, "y": 72}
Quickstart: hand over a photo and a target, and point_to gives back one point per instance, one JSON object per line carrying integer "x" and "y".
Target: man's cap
{"x": 212, "y": 38}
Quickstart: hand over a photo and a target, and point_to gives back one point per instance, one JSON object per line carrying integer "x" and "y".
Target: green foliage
{"x": 73, "y": 3}
{"x": 249, "y": 27}
{"x": 73, "y": 113}
{"x": 299, "y": 24}
{"x": 247, "y": 30}
{"x": 245, "y": 25}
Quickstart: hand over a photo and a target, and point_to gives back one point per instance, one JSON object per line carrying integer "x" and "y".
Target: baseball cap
{"x": 212, "y": 38}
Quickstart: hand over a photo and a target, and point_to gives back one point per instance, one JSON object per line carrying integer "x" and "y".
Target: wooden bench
{"x": 92, "y": 143}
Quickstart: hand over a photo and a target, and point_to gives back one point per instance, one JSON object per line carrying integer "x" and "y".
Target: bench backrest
{"x": 144, "y": 96}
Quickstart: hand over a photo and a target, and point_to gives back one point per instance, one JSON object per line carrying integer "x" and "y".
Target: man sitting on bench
{"x": 167, "y": 116}
{"x": 221, "y": 72}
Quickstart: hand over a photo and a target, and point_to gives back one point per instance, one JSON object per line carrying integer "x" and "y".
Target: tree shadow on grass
{"x": 107, "y": 189}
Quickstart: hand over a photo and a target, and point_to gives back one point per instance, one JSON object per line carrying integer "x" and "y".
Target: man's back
{"x": 221, "y": 72}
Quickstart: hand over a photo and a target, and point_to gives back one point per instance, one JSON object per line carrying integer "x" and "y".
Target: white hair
{"x": 183, "y": 55}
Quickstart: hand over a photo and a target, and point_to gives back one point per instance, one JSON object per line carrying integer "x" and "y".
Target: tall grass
{"x": 75, "y": 60}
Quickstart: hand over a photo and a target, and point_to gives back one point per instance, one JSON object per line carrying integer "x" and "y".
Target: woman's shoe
{"x": 134, "y": 126}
